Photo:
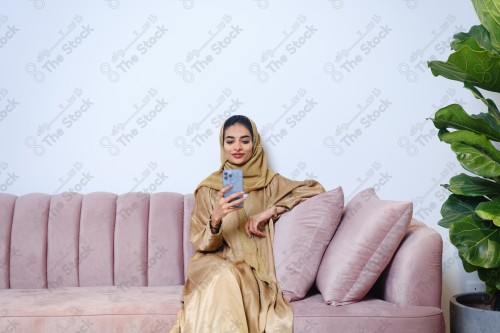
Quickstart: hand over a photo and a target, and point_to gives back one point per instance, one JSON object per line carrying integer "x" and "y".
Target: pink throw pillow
{"x": 369, "y": 234}
{"x": 300, "y": 240}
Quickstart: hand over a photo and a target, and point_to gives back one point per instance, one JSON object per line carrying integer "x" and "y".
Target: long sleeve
{"x": 201, "y": 237}
{"x": 295, "y": 191}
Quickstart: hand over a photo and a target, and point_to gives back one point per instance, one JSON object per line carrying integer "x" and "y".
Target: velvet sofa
{"x": 102, "y": 262}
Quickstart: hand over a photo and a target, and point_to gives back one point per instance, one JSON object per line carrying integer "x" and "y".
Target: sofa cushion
{"x": 369, "y": 233}
{"x": 301, "y": 237}
{"x": 154, "y": 309}
{"x": 165, "y": 239}
{"x": 7, "y": 203}
{"x": 130, "y": 253}
{"x": 96, "y": 239}
{"x": 312, "y": 314}
{"x": 413, "y": 277}
{"x": 28, "y": 241}
{"x": 90, "y": 309}
{"x": 62, "y": 239}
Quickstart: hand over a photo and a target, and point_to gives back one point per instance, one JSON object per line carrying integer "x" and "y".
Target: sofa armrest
{"x": 414, "y": 276}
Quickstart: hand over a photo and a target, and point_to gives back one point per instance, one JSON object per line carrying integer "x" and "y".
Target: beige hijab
{"x": 256, "y": 174}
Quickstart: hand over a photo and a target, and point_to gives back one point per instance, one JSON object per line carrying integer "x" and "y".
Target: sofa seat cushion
{"x": 99, "y": 309}
{"x": 154, "y": 309}
{"x": 312, "y": 314}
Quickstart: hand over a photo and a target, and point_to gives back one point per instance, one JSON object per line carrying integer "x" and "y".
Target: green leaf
{"x": 489, "y": 119}
{"x": 477, "y": 242}
{"x": 454, "y": 116}
{"x": 474, "y": 152}
{"x": 463, "y": 184}
{"x": 477, "y": 33}
{"x": 481, "y": 68}
{"x": 490, "y": 210}
{"x": 478, "y": 39}
{"x": 468, "y": 267}
{"x": 491, "y": 277}
{"x": 477, "y": 160}
{"x": 442, "y": 132}
{"x": 458, "y": 208}
{"x": 492, "y": 108}
{"x": 470, "y": 42}
{"x": 488, "y": 12}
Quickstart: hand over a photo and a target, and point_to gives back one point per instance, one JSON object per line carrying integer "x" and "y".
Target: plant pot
{"x": 470, "y": 313}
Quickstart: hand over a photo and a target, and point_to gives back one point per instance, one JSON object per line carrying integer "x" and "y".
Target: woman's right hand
{"x": 223, "y": 207}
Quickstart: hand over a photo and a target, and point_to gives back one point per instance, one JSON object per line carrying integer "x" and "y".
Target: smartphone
{"x": 235, "y": 178}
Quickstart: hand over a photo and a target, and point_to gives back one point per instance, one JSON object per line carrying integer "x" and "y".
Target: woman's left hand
{"x": 256, "y": 221}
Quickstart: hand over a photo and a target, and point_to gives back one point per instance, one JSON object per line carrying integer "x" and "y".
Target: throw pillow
{"x": 369, "y": 233}
{"x": 300, "y": 240}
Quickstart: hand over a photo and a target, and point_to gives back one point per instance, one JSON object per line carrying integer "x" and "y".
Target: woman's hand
{"x": 256, "y": 221}
{"x": 224, "y": 207}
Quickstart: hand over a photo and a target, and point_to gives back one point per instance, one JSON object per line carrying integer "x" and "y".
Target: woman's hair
{"x": 237, "y": 119}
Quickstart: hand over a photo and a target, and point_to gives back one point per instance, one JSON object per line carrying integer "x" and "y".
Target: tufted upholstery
{"x": 98, "y": 239}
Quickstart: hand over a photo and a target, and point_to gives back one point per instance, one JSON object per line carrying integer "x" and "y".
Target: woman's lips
{"x": 237, "y": 155}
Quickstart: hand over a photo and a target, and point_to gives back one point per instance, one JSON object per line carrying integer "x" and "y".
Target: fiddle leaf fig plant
{"x": 472, "y": 210}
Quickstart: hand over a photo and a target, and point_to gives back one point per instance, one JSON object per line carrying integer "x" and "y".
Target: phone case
{"x": 234, "y": 177}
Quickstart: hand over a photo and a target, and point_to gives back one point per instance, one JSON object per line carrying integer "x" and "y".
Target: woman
{"x": 231, "y": 281}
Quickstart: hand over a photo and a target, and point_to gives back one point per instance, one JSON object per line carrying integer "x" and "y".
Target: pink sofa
{"x": 102, "y": 262}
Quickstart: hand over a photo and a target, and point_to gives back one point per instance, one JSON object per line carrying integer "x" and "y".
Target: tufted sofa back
{"x": 96, "y": 239}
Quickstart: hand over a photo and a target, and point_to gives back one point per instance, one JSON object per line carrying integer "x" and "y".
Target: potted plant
{"x": 472, "y": 210}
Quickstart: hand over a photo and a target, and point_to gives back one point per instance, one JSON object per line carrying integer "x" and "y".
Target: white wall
{"x": 95, "y": 95}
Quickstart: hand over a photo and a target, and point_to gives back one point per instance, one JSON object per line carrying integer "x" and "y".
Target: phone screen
{"x": 235, "y": 178}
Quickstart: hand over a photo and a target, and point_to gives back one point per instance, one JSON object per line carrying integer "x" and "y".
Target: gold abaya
{"x": 231, "y": 280}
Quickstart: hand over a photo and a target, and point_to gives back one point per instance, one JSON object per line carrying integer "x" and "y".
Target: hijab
{"x": 256, "y": 174}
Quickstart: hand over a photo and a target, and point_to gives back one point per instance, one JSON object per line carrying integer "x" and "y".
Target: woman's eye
{"x": 246, "y": 142}
{"x": 229, "y": 142}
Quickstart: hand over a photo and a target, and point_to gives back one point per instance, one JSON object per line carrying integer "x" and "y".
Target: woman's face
{"x": 238, "y": 144}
